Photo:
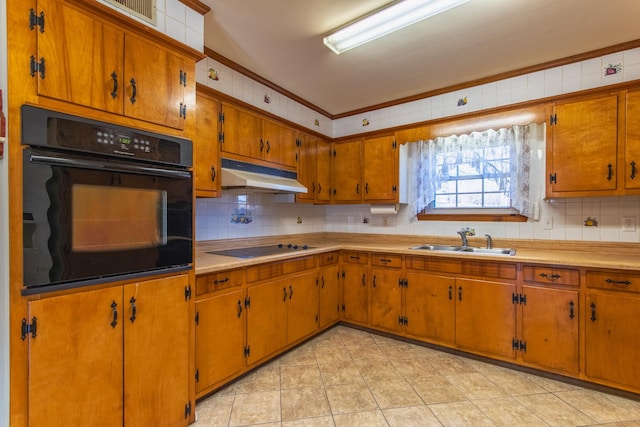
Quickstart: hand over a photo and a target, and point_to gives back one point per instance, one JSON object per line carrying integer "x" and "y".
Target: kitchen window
{"x": 492, "y": 174}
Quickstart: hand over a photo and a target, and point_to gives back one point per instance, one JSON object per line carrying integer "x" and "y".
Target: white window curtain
{"x": 526, "y": 180}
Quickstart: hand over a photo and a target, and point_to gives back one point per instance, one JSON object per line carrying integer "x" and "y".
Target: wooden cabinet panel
{"x": 314, "y": 169}
{"x": 241, "y": 132}
{"x": 545, "y": 275}
{"x": 632, "y": 141}
{"x": 612, "y": 338}
{"x": 302, "y": 306}
{"x": 614, "y": 280}
{"x": 386, "y": 260}
{"x": 485, "y": 316}
{"x": 277, "y": 269}
{"x": 386, "y": 299}
{"x": 219, "y": 281}
{"x": 219, "y": 339}
{"x": 550, "y": 328}
{"x": 380, "y": 169}
{"x": 355, "y": 293}
{"x": 279, "y": 144}
{"x": 347, "y": 172}
{"x": 207, "y": 147}
{"x": 324, "y": 171}
{"x": 583, "y": 149}
{"x": 266, "y": 319}
{"x": 81, "y": 54}
{"x": 430, "y": 307}
{"x": 156, "y": 352}
{"x": 329, "y": 279}
{"x": 75, "y": 361}
{"x": 153, "y": 87}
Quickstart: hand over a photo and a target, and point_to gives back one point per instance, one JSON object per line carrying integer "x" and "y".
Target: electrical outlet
{"x": 547, "y": 223}
{"x": 628, "y": 223}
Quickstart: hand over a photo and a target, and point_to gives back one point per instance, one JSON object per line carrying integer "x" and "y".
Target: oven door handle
{"x": 96, "y": 165}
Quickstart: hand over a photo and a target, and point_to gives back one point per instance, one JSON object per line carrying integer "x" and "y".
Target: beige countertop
{"x": 575, "y": 253}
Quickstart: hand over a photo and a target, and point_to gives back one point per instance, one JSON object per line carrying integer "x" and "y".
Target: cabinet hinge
{"x": 403, "y": 320}
{"x": 29, "y": 328}
{"x": 247, "y": 302}
{"x": 247, "y": 351}
{"x": 553, "y": 178}
{"x": 36, "y": 20}
{"x": 183, "y": 110}
{"x": 36, "y": 67}
{"x": 403, "y": 283}
{"x": 394, "y": 189}
{"x": 221, "y": 137}
{"x": 187, "y": 410}
{"x": 394, "y": 145}
{"x": 519, "y": 345}
{"x": 317, "y": 318}
{"x": 197, "y": 318}
{"x": 343, "y": 308}
{"x": 553, "y": 120}
{"x": 518, "y": 299}
{"x": 187, "y": 292}
{"x": 197, "y": 375}
{"x": 221, "y": 117}
{"x": 183, "y": 78}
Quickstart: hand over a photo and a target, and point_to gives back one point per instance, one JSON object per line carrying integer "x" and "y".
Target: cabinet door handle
{"x": 366, "y": 188}
{"x": 571, "y": 312}
{"x": 593, "y": 312}
{"x": 268, "y": 147}
{"x": 618, "y": 282}
{"x": 319, "y": 188}
{"x": 285, "y": 293}
{"x": 213, "y": 173}
{"x": 358, "y": 188}
{"x": 290, "y": 292}
{"x": 239, "y": 308}
{"x": 313, "y": 187}
{"x": 134, "y": 90}
{"x": 322, "y": 282}
{"x": 114, "y": 93}
{"x": 134, "y": 310}
{"x": 610, "y": 174}
{"x": 364, "y": 283}
{"x": 460, "y": 293}
{"x": 261, "y": 145}
{"x": 450, "y": 292}
{"x": 374, "y": 280}
{"x": 114, "y": 312}
{"x": 633, "y": 170}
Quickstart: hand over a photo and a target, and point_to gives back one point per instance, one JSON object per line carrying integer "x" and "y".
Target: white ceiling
{"x": 281, "y": 41}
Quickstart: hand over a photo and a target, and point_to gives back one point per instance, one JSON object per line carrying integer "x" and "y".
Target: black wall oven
{"x": 101, "y": 202}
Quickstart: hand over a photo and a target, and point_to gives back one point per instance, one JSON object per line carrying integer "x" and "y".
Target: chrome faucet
{"x": 489, "y": 241}
{"x": 464, "y": 233}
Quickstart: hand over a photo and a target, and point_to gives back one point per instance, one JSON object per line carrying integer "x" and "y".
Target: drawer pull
{"x": 384, "y": 260}
{"x": 618, "y": 282}
{"x": 354, "y": 257}
{"x": 550, "y": 276}
{"x": 217, "y": 282}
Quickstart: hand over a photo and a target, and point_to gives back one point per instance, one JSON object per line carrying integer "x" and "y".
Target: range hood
{"x": 235, "y": 174}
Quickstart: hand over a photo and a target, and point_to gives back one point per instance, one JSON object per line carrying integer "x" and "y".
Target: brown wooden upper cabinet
{"x": 252, "y": 138}
{"x": 206, "y": 147}
{"x": 380, "y": 169}
{"x": 122, "y": 74}
{"x": 347, "y": 172}
{"x": 632, "y": 141}
{"x": 314, "y": 169}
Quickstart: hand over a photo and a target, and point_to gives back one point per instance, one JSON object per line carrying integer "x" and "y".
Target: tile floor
{"x": 348, "y": 377}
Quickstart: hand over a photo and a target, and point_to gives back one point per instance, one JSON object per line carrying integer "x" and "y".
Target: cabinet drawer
{"x": 386, "y": 260}
{"x": 618, "y": 280}
{"x": 328, "y": 258}
{"x": 545, "y": 275}
{"x": 218, "y": 281}
{"x": 277, "y": 269}
{"x": 490, "y": 269}
{"x": 355, "y": 257}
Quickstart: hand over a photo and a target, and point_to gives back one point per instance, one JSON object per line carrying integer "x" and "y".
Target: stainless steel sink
{"x": 463, "y": 249}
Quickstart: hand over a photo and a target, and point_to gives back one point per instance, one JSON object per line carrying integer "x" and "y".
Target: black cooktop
{"x": 258, "y": 251}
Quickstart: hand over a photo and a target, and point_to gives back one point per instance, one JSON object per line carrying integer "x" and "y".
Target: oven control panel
{"x": 61, "y": 131}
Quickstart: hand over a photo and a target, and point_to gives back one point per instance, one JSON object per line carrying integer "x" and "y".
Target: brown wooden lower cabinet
{"x": 220, "y": 338}
{"x": 329, "y": 280}
{"x": 550, "y": 328}
{"x": 111, "y": 356}
{"x": 430, "y": 307}
{"x": 613, "y": 338}
{"x": 355, "y": 293}
{"x": 386, "y": 299}
{"x": 266, "y": 319}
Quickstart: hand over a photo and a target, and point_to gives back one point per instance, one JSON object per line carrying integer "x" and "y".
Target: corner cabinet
{"x": 122, "y": 73}
{"x": 125, "y": 361}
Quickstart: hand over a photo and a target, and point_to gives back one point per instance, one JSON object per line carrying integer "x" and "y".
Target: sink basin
{"x": 462, "y": 249}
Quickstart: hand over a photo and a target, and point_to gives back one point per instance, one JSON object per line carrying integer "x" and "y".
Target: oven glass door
{"x": 89, "y": 220}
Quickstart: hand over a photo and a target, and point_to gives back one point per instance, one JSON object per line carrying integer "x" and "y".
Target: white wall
{"x": 4, "y": 241}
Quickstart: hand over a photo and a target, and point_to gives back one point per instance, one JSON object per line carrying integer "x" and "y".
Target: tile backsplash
{"x": 561, "y": 219}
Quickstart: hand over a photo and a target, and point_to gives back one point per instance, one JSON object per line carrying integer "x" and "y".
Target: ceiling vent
{"x": 143, "y": 9}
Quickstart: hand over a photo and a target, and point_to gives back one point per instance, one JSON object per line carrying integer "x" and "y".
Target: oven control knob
{"x": 280, "y": 245}
{"x": 305, "y": 247}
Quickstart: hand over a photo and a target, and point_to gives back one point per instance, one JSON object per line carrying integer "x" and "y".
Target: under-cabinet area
{"x": 566, "y": 320}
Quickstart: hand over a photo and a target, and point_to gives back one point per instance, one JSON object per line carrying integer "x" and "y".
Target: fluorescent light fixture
{"x": 397, "y": 16}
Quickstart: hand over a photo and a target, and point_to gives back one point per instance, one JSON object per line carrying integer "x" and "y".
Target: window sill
{"x": 472, "y": 217}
